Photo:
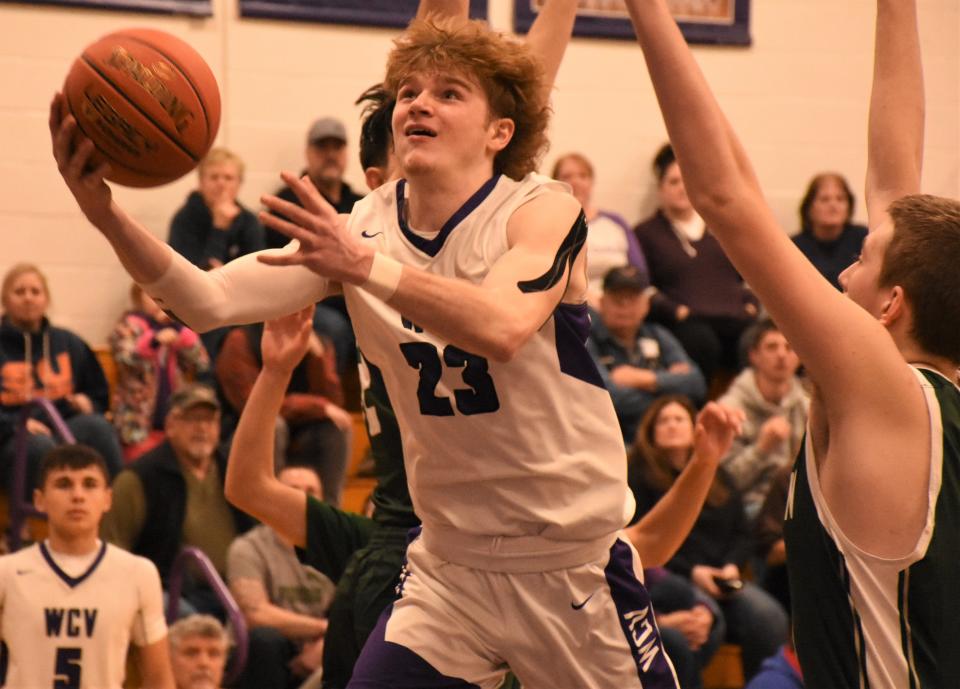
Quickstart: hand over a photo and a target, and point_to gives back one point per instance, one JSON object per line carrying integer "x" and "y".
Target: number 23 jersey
{"x": 527, "y": 448}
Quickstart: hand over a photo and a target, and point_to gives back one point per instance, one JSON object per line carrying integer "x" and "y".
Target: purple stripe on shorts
{"x": 386, "y": 665}
{"x": 636, "y": 619}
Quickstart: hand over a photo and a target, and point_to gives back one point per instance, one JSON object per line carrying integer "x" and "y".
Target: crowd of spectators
{"x": 673, "y": 325}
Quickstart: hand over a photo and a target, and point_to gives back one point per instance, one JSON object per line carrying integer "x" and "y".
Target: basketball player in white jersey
{"x": 71, "y": 606}
{"x": 872, "y": 518}
{"x": 467, "y": 293}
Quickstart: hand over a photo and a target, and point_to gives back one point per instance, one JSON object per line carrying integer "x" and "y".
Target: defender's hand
{"x": 285, "y": 340}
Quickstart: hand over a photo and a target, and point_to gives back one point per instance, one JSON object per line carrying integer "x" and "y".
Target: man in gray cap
{"x": 173, "y": 495}
{"x": 326, "y": 157}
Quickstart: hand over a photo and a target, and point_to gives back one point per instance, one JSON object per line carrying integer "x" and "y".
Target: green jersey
{"x": 863, "y": 622}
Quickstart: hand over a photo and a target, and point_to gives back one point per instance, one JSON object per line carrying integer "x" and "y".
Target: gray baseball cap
{"x": 327, "y": 128}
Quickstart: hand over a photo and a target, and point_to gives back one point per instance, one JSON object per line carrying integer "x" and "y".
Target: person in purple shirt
{"x": 700, "y": 296}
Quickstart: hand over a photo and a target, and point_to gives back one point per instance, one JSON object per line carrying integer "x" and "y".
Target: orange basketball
{"x": 148, "y": 102}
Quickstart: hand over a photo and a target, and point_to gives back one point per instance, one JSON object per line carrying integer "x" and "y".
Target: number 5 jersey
{"x": 72, "y": 631}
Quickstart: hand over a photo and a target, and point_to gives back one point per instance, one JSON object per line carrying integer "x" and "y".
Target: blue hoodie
{"x": 52, "y": 363}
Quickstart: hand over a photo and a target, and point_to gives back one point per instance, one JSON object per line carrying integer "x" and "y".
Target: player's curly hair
{"x": 509, "y": 74}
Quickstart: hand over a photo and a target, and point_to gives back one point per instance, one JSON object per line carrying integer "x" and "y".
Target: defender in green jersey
{"x": 873, "y": 517}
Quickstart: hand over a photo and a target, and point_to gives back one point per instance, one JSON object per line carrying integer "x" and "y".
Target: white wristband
{"x": 384, "y": 277}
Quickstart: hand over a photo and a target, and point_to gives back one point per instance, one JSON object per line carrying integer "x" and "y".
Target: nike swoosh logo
{"x": 23, "y": 571}
{"x": 576, "y": 606}
{"x": 363, "y": 233}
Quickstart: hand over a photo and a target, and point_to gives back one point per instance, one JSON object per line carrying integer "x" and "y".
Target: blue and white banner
{"x": 702, "y": 21}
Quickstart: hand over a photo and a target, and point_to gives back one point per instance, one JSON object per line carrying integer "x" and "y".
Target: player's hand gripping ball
{"x": 149, "y": 103}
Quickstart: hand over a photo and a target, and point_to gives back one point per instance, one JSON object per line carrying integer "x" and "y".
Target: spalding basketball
{"x": 149, "y": 103}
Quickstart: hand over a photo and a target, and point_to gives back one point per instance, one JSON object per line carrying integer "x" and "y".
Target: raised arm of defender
{"x": 873, "y": 405}
{"x": 895, "y": 133}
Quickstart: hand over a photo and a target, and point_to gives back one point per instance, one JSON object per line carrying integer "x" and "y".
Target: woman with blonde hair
{"x": 38, "y": 359}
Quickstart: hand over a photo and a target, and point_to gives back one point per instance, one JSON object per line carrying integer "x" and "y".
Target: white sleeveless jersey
{"x": 68, "y": 632}
{"x": 530, "y": 448}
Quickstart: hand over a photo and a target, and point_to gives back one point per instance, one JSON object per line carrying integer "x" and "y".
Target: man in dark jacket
{"x": 173, "y": 496}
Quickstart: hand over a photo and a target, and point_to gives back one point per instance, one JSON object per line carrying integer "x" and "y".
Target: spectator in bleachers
{"x": 154, "y": 356}
{"x": 775, "y": 403}
{"x": 313, "y": 428}
{"x": 40, "y": 360}
{"x": 213, "y": 227}
{"x": 637, "y": 360}
{"x": 284, "y": 602}
{"x": 198, "y": 652}
{"x": 827, "y": 236}
{"x": 700, "y": 296}
{"x": 173, "y": 496}
{"x": 720, "y": 541}
{"x": 610, "y": 243}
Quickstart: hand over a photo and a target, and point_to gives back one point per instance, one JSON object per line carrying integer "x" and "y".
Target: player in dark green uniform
{"x": 873, "y": 515}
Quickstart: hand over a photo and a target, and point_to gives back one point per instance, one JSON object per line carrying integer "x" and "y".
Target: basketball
{"x": 149, "y": 103}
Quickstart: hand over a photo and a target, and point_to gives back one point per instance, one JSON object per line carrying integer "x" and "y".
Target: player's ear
{"x": 894, "y": 307}
{"x": 38, "y": 502}
{"x": 108, "y": 499}
{"x": 374, "y": 177}
{"x": 501, "y": 132}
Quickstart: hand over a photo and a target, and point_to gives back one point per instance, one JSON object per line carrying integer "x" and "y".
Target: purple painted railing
{"x": 22, "y": 509}
{"x": 175, "y": 584}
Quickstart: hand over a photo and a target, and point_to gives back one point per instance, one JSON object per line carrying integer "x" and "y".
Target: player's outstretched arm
{"x": 143, "y": 256}
{"x": 493, "y": 319}
{"x": 662, "y": 530}
{"x": 843, "y": 347}
{"x": 549, "y": 36}
{"x": 244, "y": 291}
{"x": 873, "y": 405}
{"x": 251, "y": 483}
{"x": 895, "y": 132}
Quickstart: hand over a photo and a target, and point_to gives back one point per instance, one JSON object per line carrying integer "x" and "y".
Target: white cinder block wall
{"x": 798, "y": 98}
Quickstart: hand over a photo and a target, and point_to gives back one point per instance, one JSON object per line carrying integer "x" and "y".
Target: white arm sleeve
{"x": 243, "y": 291}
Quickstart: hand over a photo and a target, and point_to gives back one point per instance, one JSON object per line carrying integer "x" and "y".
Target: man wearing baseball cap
{"x": 173, "y": 495}
{"x": 638, "y": 361}
{"x": 326, "y": 158}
